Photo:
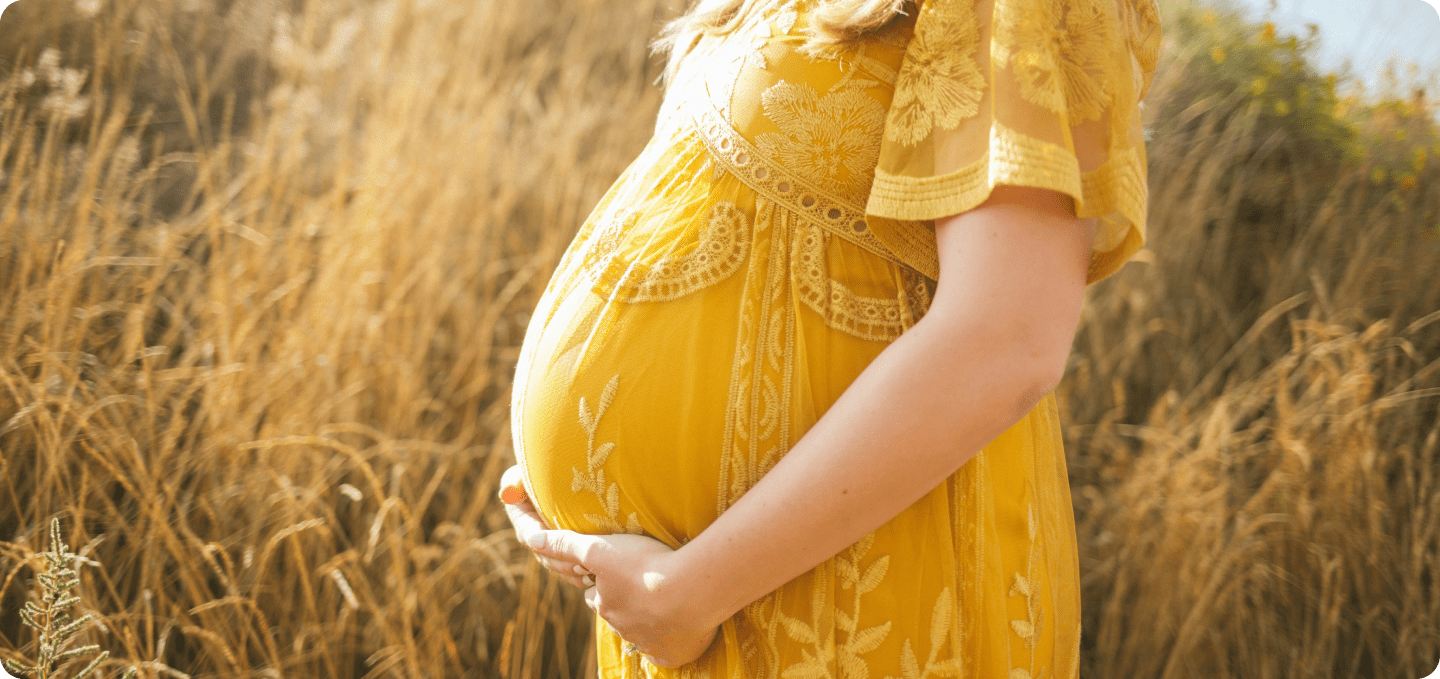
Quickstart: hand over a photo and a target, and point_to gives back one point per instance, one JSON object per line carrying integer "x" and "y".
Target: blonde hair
{"x": 833, "y": 23}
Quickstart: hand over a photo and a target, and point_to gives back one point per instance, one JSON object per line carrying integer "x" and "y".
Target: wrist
{"x": 692, "y": 587}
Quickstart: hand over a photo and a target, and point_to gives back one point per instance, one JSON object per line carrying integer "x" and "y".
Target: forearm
{"x": 903, "y": 426}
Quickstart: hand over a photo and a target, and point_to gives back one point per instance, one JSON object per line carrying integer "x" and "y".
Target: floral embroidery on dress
{"x": 877, "y": 68}
{"x": 593, "y": 479}
{"x": 942, "y": 625}
{"x": 939, "y": 83}
{"x": 858, "y": 641}
{"x": 829, "y": 140}
{"x": 1142, "y": 27}
{"x": 758, "y": 426}
{"x": 1030, "y": 628}
{"x": 822, "y": 657}
{"x": 1058, "y": 50}
{"x": 818, "y": 637}
{"x": 784, "y": 18}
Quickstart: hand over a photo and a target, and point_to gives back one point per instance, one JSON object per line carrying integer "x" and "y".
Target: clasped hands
{"x": 629, "y": 580}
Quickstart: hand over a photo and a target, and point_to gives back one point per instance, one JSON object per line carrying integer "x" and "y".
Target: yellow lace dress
{"x": 773, "y": 237}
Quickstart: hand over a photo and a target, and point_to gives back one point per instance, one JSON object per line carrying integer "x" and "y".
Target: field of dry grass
{"x": 265, "y": 266}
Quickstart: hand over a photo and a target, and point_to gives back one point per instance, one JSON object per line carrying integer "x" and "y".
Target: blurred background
{"x": 265, "y": 266}
{"x": 1366, "y": 39}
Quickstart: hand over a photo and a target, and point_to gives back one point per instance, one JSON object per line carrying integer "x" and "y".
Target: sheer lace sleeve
{"x": 1041, "y": 93}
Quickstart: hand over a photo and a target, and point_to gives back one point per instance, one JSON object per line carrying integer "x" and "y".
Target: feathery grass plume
{"x": 267, "y": 348}
{"x": 51, "y": 620}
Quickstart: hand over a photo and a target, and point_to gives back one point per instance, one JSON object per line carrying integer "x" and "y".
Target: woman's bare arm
{"x": 993, "y": 343}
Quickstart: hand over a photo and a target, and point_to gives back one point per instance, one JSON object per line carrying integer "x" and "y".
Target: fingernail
{"x": 580, "y": 570}
{"x": 512, "y": 495}
{"x": 535, "y": 540}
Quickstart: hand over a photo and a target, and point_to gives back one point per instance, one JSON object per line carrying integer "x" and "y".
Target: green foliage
{"x": 1248, "y": 71}
{"x": 1282, "y": 141}
{"x": 1400, "y": 141}
{"x": 1232, "y": 72}
{"x": 51, "y": 621}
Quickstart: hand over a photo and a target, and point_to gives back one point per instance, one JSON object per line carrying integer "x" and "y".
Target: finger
{"x": 565, "y": 572}
{"x": 565, "y": 545}
{"x": 592, "y": 599}
{"x": 563, "y": 568}
{"x": 526, "y": 523}
{"x": 512, "y": 486}
{"x": 561, "y": 564}
{"x": 525, "y": 518}
{"x": 511, "y": 475}
{"x": 512, "y": 494}
{"x": 528, "y": 507}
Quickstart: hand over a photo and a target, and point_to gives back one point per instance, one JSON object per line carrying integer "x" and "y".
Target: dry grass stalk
{"x": 260, "y": 300}
{"x": 55, "y": 630}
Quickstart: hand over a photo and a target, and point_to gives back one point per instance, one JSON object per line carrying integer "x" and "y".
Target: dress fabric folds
{"x": 772, "y": 238}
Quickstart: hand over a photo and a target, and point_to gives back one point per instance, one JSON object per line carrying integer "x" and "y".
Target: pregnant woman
{"x": 786, "y": 408}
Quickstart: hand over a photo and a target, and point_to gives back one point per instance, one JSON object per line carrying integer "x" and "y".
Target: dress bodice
{"x": 919, "y": 120}
{"x": 821, "y": 118}
{"x": 802, "y": 131}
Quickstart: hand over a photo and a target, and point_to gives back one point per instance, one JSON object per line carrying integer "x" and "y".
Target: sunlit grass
{"x": 264, "y": 274}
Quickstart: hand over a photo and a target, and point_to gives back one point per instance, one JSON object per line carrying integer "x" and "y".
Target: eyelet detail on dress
{"x": 875, "y": 318}
{"x": 724, "y": 245}
{"x": 809, "y": 202}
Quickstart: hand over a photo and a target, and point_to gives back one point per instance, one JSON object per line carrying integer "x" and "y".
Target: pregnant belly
{"x": 650, "y": 409}
{"x": 620, "y": 410}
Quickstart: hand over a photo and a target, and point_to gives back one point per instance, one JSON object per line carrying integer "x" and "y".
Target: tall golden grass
{"x": 265, "y": 267}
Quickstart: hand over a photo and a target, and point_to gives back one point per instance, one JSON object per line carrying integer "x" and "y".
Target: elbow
{"x": 1045, "y": 367}
{"x": 1045, "y": 340}
{"x": 1026, "y": 357}
{"x": 1053, "y": 368}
